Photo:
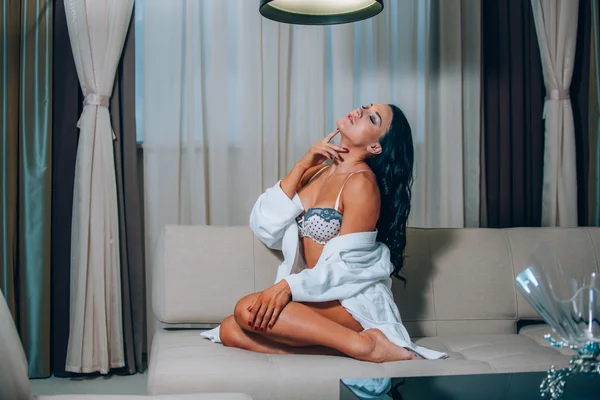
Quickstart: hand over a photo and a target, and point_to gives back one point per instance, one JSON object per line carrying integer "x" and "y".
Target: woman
{"x": 342, "y": 230}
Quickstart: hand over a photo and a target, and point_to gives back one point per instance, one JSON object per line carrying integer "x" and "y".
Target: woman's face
{"x": 364, "y": 126}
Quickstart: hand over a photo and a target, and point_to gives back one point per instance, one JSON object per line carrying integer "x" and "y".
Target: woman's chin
{"x": 343, "y": 129}
{"x": 342, "y": 123}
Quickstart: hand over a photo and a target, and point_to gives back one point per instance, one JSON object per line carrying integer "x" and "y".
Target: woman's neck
{"x": 347, "y": 163}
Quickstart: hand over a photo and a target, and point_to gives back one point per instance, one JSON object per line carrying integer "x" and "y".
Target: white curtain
{"x": 556, "y": 28}
{"x": 229, "y": 101}
{"x": 97, "y": 30}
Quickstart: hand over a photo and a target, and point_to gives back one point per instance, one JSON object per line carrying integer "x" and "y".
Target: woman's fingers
{"x": 253, "y": 312}
{"x": 323, "y": 149}
{"x": 333, "y": 151}
{"x": 259, "y": 316}
{"x": 323, "y": 152}
{"x": 275, "y": 316}
{"x": 280, "y": 303}
{"x": 331, "y": 135}
{"x": 336, "y": 148}
{"x": 267, "y": 317}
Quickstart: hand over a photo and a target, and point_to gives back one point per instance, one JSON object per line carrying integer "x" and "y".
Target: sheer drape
{"x": 556, "y": 27}
{"x": 580, "y": 102}
{"x": 229, "y": 101}
{"x": 97, "y": 31}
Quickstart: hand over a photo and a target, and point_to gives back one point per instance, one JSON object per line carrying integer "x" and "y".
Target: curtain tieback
{"x": 558, "y": 94}
{"x": 96, "y": 99}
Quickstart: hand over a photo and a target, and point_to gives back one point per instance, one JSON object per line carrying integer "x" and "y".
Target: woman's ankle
{"x": 364, "y": 347}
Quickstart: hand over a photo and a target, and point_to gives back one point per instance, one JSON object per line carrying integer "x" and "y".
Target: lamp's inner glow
{"x": 320, "y": 7}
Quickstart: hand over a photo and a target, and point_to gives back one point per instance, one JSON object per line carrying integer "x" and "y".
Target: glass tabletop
{"x": 505, "y": 386}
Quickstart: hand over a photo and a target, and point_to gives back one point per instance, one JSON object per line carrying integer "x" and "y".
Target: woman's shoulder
{"x": 360, "y": 203}
{"x": 362, "y": 184}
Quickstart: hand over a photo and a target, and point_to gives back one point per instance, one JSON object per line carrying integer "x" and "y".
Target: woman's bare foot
{"x": 380, "y": 349}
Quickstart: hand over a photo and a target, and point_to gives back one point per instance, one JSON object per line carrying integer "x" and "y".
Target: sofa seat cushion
{"x": 184, "y": 362}
{"x": 502, "y": 352}
{"x": 537, "y": 332}
{"x": 203, "y": 396}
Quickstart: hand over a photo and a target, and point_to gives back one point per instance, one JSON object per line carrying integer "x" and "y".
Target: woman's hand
{"x": 321, "y": 151}
{"x": 268, "y": 305}
{"x": 317, "y": 154}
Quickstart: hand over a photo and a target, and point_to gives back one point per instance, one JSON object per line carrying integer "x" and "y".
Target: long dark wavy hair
{"x": 393, "y": 168}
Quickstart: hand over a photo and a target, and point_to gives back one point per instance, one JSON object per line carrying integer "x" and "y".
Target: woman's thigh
{"x": 332, "y": 310}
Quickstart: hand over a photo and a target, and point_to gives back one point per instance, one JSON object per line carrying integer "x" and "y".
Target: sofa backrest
{"x": 459, "y": 280}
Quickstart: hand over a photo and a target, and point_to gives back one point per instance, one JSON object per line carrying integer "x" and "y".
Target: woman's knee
{"x": 229, "y": 332}
{"x": 240, "y": 312}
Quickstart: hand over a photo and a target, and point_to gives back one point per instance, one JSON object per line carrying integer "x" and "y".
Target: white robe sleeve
{"x": 272, "y": 213}
{"x": 336, "y": 280}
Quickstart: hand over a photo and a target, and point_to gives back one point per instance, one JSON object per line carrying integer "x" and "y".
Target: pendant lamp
{"x": 319, "y": 12}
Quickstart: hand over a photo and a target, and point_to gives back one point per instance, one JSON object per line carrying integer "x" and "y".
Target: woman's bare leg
{"x": 299, "y": 325}
{"x": 334, "y": 311}
{"x": 234, "y": 336}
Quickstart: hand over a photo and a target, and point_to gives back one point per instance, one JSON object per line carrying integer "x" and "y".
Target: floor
{"x": 132, "y": 384}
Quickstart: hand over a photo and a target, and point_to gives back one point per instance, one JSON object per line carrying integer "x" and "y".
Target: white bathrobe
{"x": 353, "y": 268}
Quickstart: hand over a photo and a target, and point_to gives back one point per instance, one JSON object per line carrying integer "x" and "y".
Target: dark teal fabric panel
{"x": 27, "y": 64}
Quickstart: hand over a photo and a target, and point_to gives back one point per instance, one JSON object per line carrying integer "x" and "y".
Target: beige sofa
{"x": 460, "y": 298}
{"x": 14, "y": 383}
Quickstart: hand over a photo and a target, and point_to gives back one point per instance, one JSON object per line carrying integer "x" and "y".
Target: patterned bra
{"x": 323, "y": 224}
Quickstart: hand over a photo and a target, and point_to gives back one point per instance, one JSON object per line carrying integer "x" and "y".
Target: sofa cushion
{"x": 460, "y": 297}
{"x": 199, "y": 274}
{"x": 472, "y": 275}
{"x": 184, "y": 362}
{"x": 537, "y": 333}
{"x": 204, "y": 396}
{"x": 453, "y": 274}
{"x": 503, "y": 353}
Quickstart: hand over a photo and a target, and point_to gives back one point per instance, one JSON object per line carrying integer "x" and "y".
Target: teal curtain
{"x": 25, "y": 172}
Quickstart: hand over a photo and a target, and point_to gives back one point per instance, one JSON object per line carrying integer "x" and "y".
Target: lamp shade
{"x": 319, "y": 12}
